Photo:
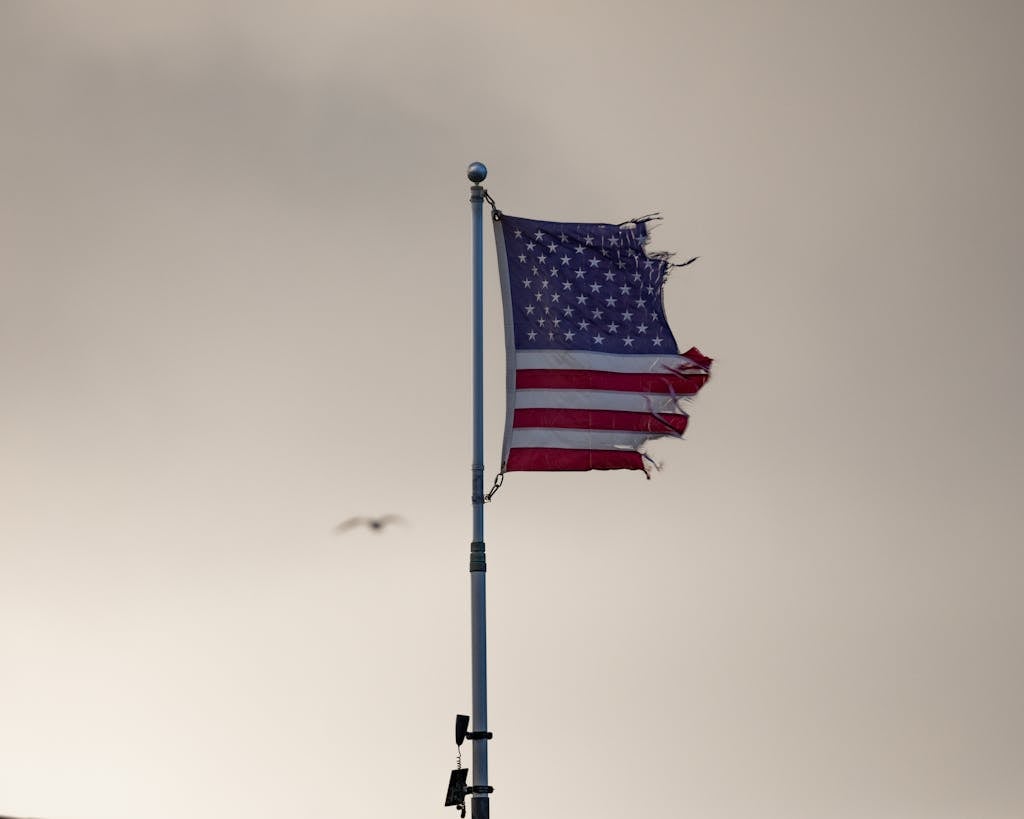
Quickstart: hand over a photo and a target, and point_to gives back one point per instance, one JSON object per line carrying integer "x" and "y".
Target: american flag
{"x": 593, "y": 370}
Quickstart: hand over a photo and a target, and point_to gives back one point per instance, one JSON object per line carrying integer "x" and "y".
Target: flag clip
{"x": 498, "y": 480}
{"x": 495, "y": 213}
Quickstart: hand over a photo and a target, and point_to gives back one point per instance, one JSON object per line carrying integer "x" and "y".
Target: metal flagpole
{"x": 480, "y": 789}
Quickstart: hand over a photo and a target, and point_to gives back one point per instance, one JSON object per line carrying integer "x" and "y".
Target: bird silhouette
{"x": 374, "y": 524}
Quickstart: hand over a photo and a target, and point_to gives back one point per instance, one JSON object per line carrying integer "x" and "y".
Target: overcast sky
{"x": 234, "y": 310}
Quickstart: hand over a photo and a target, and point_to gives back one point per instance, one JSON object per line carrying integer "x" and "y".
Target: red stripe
{"x": 598, "y": 419}
{"x": 540, "y": 459}
{"x": 667, "y": 382}
{"x": 698, "y": 357}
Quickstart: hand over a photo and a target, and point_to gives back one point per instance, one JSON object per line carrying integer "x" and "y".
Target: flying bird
{"x": 374, "y": 524}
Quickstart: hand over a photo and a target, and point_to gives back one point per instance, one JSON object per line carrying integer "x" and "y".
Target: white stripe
{"x": 579, "y": 438}
{"x": 597, "y": 400}
{"x": 604, "y": 362}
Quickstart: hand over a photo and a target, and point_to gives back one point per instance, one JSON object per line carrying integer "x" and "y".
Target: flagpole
{"x": 480, "y": 789}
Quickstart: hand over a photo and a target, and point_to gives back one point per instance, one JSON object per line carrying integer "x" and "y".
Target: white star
{"x": 544, "y": 284}
{"x": 531, "y": 335}
{"x": 567, "y": 285}
{"x": 569, "y": 335}
{"x": 597, "y": 313}
{"x": 522, "y": 257}
{"x": 542, "y": 258}
{"x": 595, "y": 262}
{"x": 627, "y": 316}
{"x": 538, "y": 235}
{"x": 581, "y": 299}
{"x": 588, "y": 239}
{"x": 583, "y": 325}
{"x": 605, "y": 251}
{"x": 562, "y": 237}
{"x": 579, "y": 248}
{"x": 624, "y": 290}
{"x": 641, "y": 328}
{"x": 555, "y": 297}
{"x": 599, "y": 339}
{"x": 640, "y": 303}
{"x": 609, "y": 276}
{"x": 551, "y": 336}
{"x": 579, "y": 273}
{"x": 519, "y": 233}
{"x": 656, "y": 341}
{"x": 567, "y": 311}
{"x": 529, "y": 309}
{"x": 595, "y": 287}
{"x": 565, "y": 259}
{"x": 552, "y": 246}
{"x": 555, "y": 322}
{"x": 527, "y": 282}
{"x": 554, "y": 271}
{"x": 539, "y": 295}
{"x": 613, "y": 241}
{"x": 637, "y": 277}
{"x": 610, "y": 301}
{"x": 530, "y": 245}
{"x": 627, "y": 341}
{"x": 613, "y": 327}
{"x": 650, "y": 290}
{"x": 541, "y": 322}
{"x": 648, "y": 264}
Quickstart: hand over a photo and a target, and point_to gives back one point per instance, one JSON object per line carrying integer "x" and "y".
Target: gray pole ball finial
{"x": 477, "y": 172}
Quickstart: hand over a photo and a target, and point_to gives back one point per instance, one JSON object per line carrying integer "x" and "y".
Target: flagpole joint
{"x": 478, "y": 496}
{"x": 477, "y": 558}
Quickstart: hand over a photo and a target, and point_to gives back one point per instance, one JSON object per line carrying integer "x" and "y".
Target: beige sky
{"x": 234, "y": 310}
